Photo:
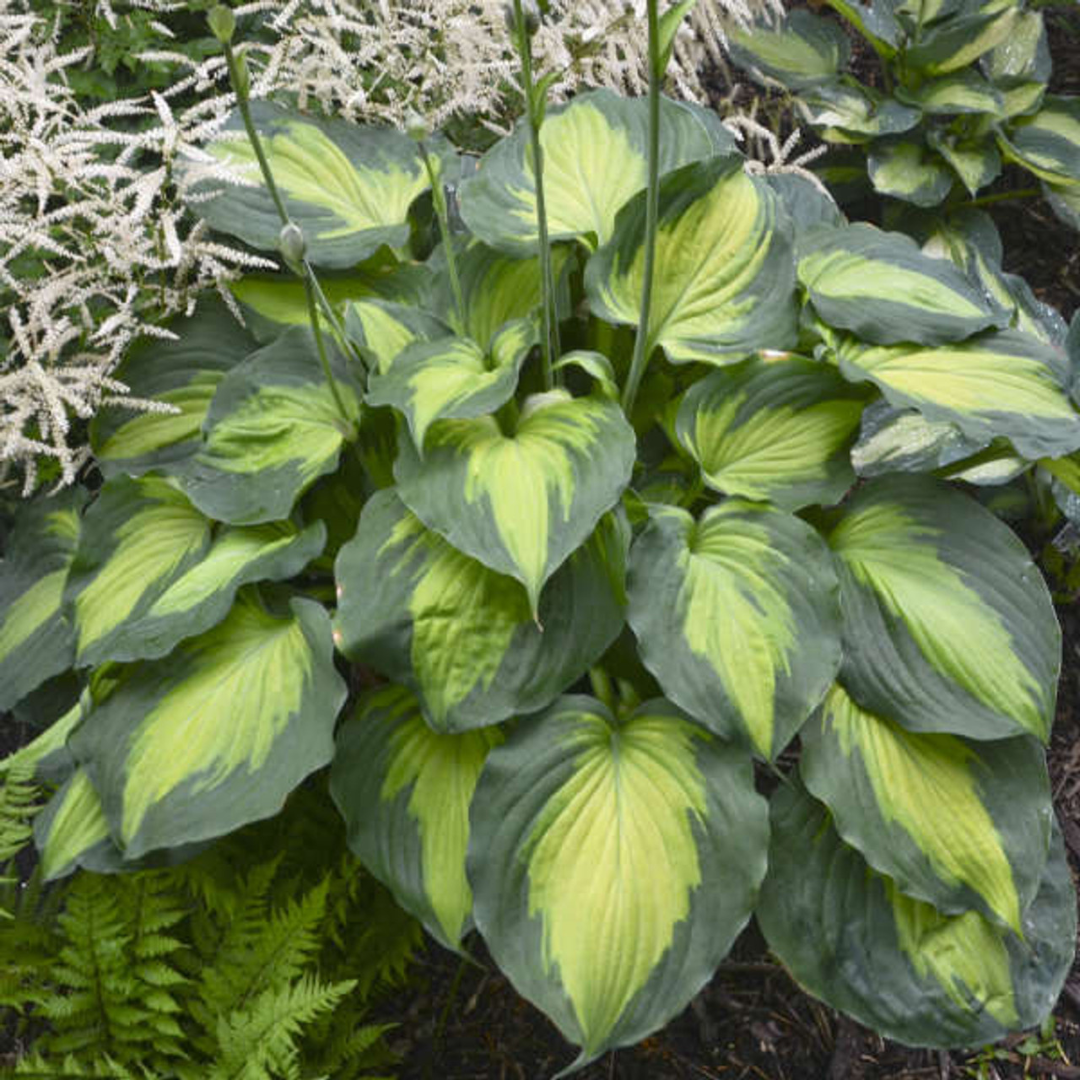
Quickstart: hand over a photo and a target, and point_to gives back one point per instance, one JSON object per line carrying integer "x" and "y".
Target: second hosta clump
{"x": 573, "y": 631}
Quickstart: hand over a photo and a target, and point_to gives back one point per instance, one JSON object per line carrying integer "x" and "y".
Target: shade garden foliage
{"x": 615, "y": 622}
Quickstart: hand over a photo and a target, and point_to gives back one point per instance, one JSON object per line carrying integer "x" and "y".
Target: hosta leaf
{"x": 348, "y": 187}
{"x": 1001, "y": 384}
{"x": 138, "y": 537}
{"x": 613, "y": 864}
{"x": 1024, "y": 57}
{"x": 955, "y": 43}
{"x": 404, "y": 792}
{"x": 947, "y": 624}
{"x": 462, "y": 636}
{"x": 774, "y": 429}
{"x": 851, "y": 112}
{"x": 905, "y": 170}
{"x": 594, "y": 160}
{"x": 203, "y": 594}
{"x": 71, "y": 830}
{"x": 845, "y": 932}
{"x": 958, "y": 824}
{"x": 903, "y": 440}
{"x": 273, "y": 428}
{"x": 1048, "y": 143}
{"x": 723, "y": 279}
{"x": 803, "y": 50}
{"x": 453, "y": 378}
{"x": 1064, "y": 200}
{"x": 966, "y": 91}
{"x": 383, "y": 328}
{"x": 276, "y": 302}
{"x": 521, "y": 500}
{"x": 219, "y": 732}
{"x": 183, "y": 374}
{"x": 882, "y": 287}
{"x": 977, "y": 163}
{"x": 737, "y": 616}
{"x": 36, "y": 639}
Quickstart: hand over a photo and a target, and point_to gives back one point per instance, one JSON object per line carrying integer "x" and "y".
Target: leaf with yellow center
{"x": 219, "y": 732}
{"x": 954, "y": 823}
{"x": 612, "y": 864}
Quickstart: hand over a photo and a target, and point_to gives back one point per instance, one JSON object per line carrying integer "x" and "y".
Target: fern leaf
{"x": 260, "y": 1042}
{"x": 36, "y": 1067}
{"x": 19, "y": 802}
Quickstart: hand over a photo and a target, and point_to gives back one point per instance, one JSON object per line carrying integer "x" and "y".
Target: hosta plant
{"x": 959, "y": 91}
{"x": 562, "y": 585}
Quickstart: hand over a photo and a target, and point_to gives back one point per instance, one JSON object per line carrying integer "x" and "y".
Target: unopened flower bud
{"x": 222, "y": 23}
{"x": 416, "y": 127}
{"x": 291, "y": 244}
{"x": 241, "y": 78}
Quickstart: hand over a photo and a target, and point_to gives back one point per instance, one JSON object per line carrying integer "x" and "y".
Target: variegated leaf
{"x": 903, "y": 440}
{"x": 36, "y": 638}
{"x": 737, "y": 616}
{"x": 1048, "y": 143}
{"x": 219, "y": 732}
{"x": 948, "y": 626}
{"x": 594, "y": 151}
{"x": 977, "y": 162}
{"x": 882, "y": 287}
{"x": 273, "y": 303}
{"x": 1006, "y": 384}
{"x": 183, "y": 374}
{"x": 138, "y": 537}
{"x": 965, "y": 91}
{"x": 961, "y": 825}
{"x": 520, "y": 500}
{"x": 851, "y": 112}
{"x": 802, "y": 50}
{"x": 1020, "y": 67}
{"x": 772, "y": 428}
{"x": 845, "y": 933}
{"x": 348, "y": 187}
{"x": 463, "y": 637}
{"x": 723, "y": 282}
{"x": 273, "y": 428}
{"x": 71, "y": 831}
{"x": 957, "y": 42}
{"x": 404, "y": 792}
{"x": 453, "y": 378}
{"x": 384, "y": 328}
{"x": 612, "y": 864}
{"x": 908, "y": 171}
{"x": 202, "y": 595}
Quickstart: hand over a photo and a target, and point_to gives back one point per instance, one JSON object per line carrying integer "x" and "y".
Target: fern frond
{"x": 19, "y": 802}
{"x": 260, "y": 1042}
{"x": 36, "y": 1067}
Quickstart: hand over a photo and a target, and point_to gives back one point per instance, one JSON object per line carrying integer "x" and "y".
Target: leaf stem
{"x": 652, "y": 204}
{"x": 313, "y": 315}
{"x": 1004, "y": 196}
{"x": 438, "y": 195}
{"x": 549, "y": 338}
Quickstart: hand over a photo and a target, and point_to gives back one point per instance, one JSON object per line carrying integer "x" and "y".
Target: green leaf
{"x": 348, "y": 187}
{"x": 906, "y": 170}
{"x": 463, "y": 637}
{"x": 775, "y": 429}
{"x": 72, "y": 828}
{"x": 138, "y": 537}
{"x": 723, "y": 279}
{"x": 219, "y": 732}
{"x": 957, "y": 42}
{"x": 1006, "y": 383}
{"x": 802, "y": 50}
{"x": 453, "y": 378}
{"x": 966, "y": 91}
{"x": 203, "y": 594}
{"x": 36, "y": 638}
{"x": 947, "y": 624}
{"x": 1064, "y": 200}
{"x": 737, "y": 616}
{"x": 275, "y": 302}
{"x": 404, "y": 792}
{"x": 977, "y": 163}
{"x": 903, "y": 440}
{"x": 882, "y": 287}
{"x": 594, "y": 161}
{"x": 520, "y": 500}
{"x": 1020, "y": 66}
{"x": 845, "y": 932}
{"x": 1048, "y": 143}
{"x": 613, "y": 864}
{"x": 668, "y": 27}
{"x": 273, "y": 428}
{"x": 851, "y": 112}
{"x": 384, "y": 328}
{"x": 961, "y": 825}
{"x": 183, "y": 373}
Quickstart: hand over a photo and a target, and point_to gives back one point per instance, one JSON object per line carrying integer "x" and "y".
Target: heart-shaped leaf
{"x": 521, "y": 500}
{"x": 737, "y": 617}
{"x": 613, "y": 864}
{"x": 803, "y": 50}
